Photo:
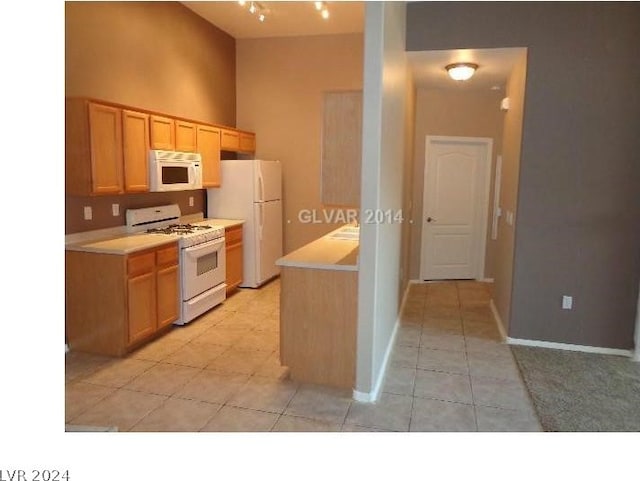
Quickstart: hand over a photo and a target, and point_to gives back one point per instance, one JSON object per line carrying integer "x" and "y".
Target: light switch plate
{"x": 190, "y": 201}
{"x": 115, "y": 209}
{"x": 567, "y": 302}
{"x": 88, "y": 212}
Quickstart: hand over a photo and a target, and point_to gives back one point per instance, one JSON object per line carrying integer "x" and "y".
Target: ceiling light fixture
{"x": 323, "y": 9}
{"x": 256, "y": 8}
{"x": 461, "y": 71}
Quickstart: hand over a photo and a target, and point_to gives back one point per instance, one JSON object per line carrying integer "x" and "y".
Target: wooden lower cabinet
{"x": 115, "y": 303}
{"x": 318, "y": 324}
{"x": 233, "y": 253}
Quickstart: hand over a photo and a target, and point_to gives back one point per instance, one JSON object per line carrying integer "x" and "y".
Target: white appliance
{"x": 169, "y": 171}
{"x": 252, "y": 190}
{"x": 202, "y": 256}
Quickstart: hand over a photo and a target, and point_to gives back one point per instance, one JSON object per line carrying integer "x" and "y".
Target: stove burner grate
{"x": 178, "y": 229}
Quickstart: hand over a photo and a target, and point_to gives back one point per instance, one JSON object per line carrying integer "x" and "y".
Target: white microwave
{"x": 170, "y": 171}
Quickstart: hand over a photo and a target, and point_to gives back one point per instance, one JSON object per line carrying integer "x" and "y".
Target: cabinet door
{"x": 185, "y": 136}
{"x": 234, "y": 266}
{"x": 341, "y": 148}
{"x": 229, "y": 140}
{"x": 141, "y": 307}
{"x": 135, "y": 133}
{"x": 162, "y": 133}
{"x": 105, "y": 130}
{"x": 167, "y": 300}
{"x": 233, "y": 240}
{"x": 247, "y": 142}
{"x": 209, "y": 148}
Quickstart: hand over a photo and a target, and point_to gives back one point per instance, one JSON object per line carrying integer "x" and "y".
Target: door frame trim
{"x": 487, "y": 142}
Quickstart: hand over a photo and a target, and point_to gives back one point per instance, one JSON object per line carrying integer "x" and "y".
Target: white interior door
{"x": 455, "y": 203}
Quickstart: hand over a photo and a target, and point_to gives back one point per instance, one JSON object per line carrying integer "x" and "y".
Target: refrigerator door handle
{"x": 261, "y": 219}
{"x": 261, "y": 183}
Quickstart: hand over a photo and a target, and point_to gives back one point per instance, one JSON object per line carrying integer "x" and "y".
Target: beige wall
{"x": 511, "y": 146}
{"x": 456, "y": 113}
{"x": 383, "y": 157}
{"x": 280, "y": 82}
{"x": 407, "y": 184}
{"x": 158, "y": 56}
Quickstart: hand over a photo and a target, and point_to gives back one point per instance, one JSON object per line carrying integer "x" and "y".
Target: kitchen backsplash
{"x": 102, "y": 207}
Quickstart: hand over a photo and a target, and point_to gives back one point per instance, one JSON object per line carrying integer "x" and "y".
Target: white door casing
{"x": 455, "y": 207}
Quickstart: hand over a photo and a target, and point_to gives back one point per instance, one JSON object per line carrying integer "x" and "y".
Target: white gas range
{"x": 202, "y": 256}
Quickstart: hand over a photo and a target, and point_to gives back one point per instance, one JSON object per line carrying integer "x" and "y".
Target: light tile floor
{"x": 448, "y": 372}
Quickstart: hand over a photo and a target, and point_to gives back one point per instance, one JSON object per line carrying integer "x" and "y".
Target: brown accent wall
{"x": 158, "y": 56}
{"x": 102, "y": 212}
{"x": 577, "y": 229}
{"x": 456, "y": 113}
{"x": 280, "y": 86}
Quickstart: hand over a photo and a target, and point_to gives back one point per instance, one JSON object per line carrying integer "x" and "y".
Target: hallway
{"x": 448, "y": 372}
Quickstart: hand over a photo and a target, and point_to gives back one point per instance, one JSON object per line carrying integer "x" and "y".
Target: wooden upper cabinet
{"x": 208, "y": 140}
{"x": 247, "y": 142}
{"x": 105, "y": 133}
{"x": 341, "y": 148}
{"x": 162, "y": 133}
{"x": 185, "y": 136}
{"x": 135, "y": 133}
{"x": 94, "y": 151}
{"x": 229, "y": 140}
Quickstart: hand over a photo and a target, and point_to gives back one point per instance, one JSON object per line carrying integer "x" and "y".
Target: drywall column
{"x": 636, "y": 353}
{"x": 384, "y": 97}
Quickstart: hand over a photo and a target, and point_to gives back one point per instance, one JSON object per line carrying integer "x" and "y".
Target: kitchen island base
{"x": 318, "y": 324}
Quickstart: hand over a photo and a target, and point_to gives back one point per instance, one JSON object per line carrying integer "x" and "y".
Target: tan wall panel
{"x": 280, "y": 86}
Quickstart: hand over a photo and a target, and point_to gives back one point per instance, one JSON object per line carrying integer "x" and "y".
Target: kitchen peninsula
{"x": 318, "y": 309}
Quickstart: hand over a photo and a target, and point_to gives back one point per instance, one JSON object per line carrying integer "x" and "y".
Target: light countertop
{"x": 117, "y": 241}
{"x": 223, "y": 222}
{"x": 325, "y": 253}
{"x": 122, "y": 245}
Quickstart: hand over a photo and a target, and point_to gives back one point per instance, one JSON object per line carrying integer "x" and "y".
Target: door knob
{"x": 430, "y": 219}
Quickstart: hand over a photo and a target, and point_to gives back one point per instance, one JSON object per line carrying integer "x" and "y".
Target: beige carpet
{"x": 577, "y": 391}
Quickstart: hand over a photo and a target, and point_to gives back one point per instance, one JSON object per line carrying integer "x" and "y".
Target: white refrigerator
{"x": 252, "y": 190}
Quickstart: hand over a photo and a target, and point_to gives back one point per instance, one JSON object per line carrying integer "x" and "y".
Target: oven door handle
{"x": 205, "y": 248}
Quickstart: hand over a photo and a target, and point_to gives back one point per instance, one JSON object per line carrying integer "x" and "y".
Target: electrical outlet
{"x": 567, "y": 302}
{"x": 88, "y": 213}
{"x": 190, "y": 201}
{"x": 115, "y": 209}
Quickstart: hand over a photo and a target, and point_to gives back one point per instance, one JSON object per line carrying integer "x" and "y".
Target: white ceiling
{"x": 494, "y": 67}
{"x": 283, "y": 19}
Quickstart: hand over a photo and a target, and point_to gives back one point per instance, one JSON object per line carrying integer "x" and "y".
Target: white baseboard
{"x": 374, "y": 394}
{"x": 498, "y": 320}
{"x": 569, "y": 347}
